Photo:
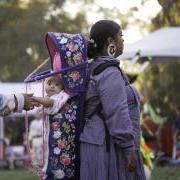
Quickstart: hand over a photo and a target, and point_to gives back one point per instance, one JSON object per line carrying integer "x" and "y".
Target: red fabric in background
{"x": 151, "y": 125}
{"x": 166, "y": 139}
{"x": 152, "y": 141}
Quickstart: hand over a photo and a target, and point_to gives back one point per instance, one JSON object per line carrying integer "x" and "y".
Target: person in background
{"x": 36, "y": 139}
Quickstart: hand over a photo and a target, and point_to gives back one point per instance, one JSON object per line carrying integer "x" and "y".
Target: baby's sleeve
{"x": 59, "y": 100}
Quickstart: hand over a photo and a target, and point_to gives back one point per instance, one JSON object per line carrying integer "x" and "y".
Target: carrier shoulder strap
{"x": 100, "y": 68}
{"x": 97, "y": 70}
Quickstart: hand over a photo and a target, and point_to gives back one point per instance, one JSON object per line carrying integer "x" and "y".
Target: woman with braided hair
{"x": 111, "y": 134}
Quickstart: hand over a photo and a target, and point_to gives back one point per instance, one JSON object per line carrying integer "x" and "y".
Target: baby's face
{"x": 53, "y": 87}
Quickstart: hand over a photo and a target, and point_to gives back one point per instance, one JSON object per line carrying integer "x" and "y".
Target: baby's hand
{"x": 45, "y": 101}
{"x": 36, "y": 100}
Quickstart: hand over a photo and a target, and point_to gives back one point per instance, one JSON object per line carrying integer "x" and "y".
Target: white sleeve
{"x": 59, "y": 100}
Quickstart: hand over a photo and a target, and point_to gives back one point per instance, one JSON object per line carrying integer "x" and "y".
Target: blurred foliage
{"x": 166, "y": 173}
{"x": 161, "y": 83}
{"x": 24, "y": 25}
{"x": 169, "y": 16}
{"x": 124, "y": 19}
{"x": 85, "y": 1}
{"x": 22, "y": 32}
{"x": 14, "y": 130}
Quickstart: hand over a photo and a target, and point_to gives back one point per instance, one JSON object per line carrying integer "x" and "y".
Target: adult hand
{"x": 131, "y": 161}
{"x": 29, "y": 103}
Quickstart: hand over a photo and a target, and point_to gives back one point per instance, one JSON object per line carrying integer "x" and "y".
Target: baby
{"x": 56, "y": 97}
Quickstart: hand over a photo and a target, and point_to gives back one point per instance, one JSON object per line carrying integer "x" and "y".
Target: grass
{"x": 165, "y": 173}
{"x": 17, "y": 175}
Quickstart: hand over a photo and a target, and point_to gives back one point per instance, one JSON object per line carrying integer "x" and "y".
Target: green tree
{"x": 160, "y": 83}
{"x": 169, "y": 16}
{"x": 22, "y": 32}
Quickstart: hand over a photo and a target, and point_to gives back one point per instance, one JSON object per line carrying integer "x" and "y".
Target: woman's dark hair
{"x": 99, "y": 34}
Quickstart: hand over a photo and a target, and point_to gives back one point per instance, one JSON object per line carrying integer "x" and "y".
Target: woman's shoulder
{"x": 103, "y": 66}
{"x": 109, "y": 76}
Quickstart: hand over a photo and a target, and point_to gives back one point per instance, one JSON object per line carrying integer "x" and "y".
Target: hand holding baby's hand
{"x": 45, "y": 101}
{"x": 29, "y": 102}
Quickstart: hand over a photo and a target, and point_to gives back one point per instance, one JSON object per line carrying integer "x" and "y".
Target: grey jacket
{"x": 108, "y": 88}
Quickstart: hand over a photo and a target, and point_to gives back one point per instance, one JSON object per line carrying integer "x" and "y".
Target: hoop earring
{"x": 111, "y": 50}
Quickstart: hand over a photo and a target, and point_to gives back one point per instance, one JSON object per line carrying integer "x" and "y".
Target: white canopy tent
{"x": 14, "y": 88}
{"x": 161, "y": 45}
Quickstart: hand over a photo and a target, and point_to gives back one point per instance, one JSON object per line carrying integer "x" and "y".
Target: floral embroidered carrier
{"x": 68, "y": 54}
{"x": 62, "y": 158}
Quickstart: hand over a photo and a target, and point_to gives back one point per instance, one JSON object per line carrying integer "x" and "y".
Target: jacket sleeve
{"x": 3, "y": 101}
{"x": 8, "y": 103}
{"x": 111, "y": 88}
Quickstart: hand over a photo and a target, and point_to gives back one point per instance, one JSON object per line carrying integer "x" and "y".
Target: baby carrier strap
{"x": 98, "y": 110}
{"x": 100, "y": 68}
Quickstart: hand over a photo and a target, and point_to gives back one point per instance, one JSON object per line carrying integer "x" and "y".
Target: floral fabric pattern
{"x": 73, "y": 78}
{"x": 72, "y": 49}
{"x": 62, "y": 147}
{"x": 72, "y": 46}
{"x": 68, "y": 53}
